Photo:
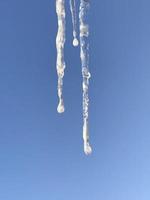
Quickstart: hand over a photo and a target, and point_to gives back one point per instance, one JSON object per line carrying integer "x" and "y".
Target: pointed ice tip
{"x": 75, "y": 42}
{"x": 87, "y": 149}
{"x": 60, "y": 108}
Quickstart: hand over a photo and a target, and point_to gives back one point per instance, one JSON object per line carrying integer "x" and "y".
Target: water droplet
{"x": 87, "y": 149}
{"x": 75, "y": 42}
{"x": 60, "y": 108}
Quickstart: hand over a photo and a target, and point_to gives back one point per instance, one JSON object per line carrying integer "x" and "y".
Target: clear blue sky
{"x": 41, "y": 152}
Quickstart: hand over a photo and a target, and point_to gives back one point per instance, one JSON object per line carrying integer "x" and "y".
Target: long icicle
{"x": 60, "y": 41}
{"x": 74, "y": 21}
{"x": 84, "y": 55}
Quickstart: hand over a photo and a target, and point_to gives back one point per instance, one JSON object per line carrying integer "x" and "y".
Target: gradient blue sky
{"x": 41, "y": 152}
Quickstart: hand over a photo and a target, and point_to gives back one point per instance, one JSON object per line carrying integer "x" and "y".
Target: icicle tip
{"x": 75, "y": 42}
{"x": 60, "y": 107}
{"x": 87, "y": 148}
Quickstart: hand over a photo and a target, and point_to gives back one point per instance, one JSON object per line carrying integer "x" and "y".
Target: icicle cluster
{"x": 84, "y": 55}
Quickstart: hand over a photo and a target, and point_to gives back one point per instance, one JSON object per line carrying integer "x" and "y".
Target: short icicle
{"x": 74, "y": 21}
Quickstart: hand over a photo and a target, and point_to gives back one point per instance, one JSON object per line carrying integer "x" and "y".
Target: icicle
{"x": 84, "y": 55}
{"x": 74, "y": 21}
{"x": 60, "y": 41}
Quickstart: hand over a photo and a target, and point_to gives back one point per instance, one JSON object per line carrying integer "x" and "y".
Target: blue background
{"x": 41, "y": 152}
